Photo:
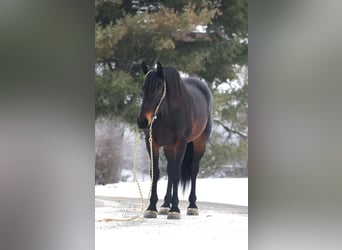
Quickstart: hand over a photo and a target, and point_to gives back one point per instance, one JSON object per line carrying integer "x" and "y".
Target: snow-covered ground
{"x": 232, "y": 191}
{"x": 222, "y": 223}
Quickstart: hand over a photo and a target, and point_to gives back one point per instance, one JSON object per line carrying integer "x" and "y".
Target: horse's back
{"x": 197, "y": 83}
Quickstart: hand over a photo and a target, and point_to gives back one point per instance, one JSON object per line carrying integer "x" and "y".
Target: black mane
{"x": 175, "y": 88}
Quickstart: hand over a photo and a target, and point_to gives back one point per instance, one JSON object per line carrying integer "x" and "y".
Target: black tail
{"x": 186, "y": 165}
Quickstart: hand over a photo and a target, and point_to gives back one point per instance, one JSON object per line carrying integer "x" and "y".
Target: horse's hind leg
{"x": 199, "y": 148}
{"x": 174, "y": 157}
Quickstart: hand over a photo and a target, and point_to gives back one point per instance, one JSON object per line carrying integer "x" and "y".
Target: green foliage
{"x": 106, "y": 38}
{"x": 146, "y": 36}
{"x": 107, "y": 12}
{"x": 233, "y": 22}
{"x": 116, "y": 93}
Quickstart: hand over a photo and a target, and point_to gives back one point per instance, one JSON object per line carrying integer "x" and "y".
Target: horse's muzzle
{"x": 142, "y": 122}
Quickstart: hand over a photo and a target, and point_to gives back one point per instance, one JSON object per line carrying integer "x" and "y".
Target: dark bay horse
{"x": 179, "y": 111}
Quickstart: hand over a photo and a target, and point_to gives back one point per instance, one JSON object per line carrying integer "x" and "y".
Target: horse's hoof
{"x": 164, "y": 210}
{"x": 173, "y": 215}
{"x": 192, "y": 211}
{"x": 150, "y": 214}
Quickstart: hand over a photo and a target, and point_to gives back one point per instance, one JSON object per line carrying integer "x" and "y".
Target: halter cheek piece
{"x": 148, "y": 72}
{"x": 160, "y": 101}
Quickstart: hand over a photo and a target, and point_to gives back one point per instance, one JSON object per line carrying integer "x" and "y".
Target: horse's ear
{"x": 144, "y": 67}
{"x": 160, "y": 70}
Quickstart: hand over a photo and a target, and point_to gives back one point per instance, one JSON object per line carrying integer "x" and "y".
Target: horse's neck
{"x": 178, "y": 100}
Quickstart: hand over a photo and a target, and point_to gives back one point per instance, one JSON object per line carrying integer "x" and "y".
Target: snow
{"x": 232, "y": 191}
{"x": 222, "y": 223}
{"x": 201, "y": 28}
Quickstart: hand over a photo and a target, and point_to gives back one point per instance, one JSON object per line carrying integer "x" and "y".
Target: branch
{"x": 230, "y": 130}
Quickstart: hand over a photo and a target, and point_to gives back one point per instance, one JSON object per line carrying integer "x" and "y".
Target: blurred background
{"x": 207, "y": 39}
{"x": 48, "y": 110}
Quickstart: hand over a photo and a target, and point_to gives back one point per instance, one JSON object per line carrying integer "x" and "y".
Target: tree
{"x": 229, "y": 140}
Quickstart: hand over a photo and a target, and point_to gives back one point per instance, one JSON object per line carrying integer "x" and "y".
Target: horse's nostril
{"x": 142, "y": 122}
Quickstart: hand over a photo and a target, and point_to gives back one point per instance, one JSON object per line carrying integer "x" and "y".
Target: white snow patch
{"x": 201, "y": 28}
{"x": 232, "y": 191}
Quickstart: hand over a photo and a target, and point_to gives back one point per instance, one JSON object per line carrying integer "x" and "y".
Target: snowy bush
{"x": 108, "y": 141}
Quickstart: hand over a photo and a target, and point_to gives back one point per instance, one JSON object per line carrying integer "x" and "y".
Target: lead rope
{"x": 150, "y": 140}
{"x": 137, "y": 139}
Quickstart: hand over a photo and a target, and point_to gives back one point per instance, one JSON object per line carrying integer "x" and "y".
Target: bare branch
{"x": 230, "y": 130}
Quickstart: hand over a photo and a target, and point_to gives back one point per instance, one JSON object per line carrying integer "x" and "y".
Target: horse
{"x": 178, "y": 112}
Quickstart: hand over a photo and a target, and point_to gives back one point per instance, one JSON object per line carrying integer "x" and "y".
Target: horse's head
{"x": 152, "y": 91}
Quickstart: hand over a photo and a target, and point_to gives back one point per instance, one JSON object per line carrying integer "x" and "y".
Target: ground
{"x": 221, "y": 224}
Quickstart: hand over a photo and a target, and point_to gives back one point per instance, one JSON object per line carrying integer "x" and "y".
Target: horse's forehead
{"x": 151, "y": 79}
{"x": 151, "y": 75}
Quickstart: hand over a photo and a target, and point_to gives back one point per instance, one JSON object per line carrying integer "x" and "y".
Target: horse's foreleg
{"x": 151, "y": 211}
{"x": 165, "y": 208}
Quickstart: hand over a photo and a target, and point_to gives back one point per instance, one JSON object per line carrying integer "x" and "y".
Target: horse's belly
{"x": 197, "y": 129}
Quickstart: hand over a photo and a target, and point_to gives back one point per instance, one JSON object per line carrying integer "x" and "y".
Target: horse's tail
{"x": 186, "y": 165}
